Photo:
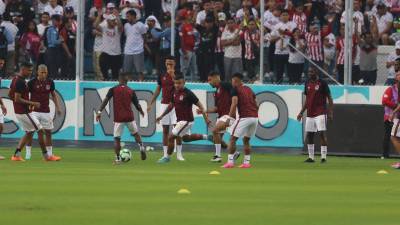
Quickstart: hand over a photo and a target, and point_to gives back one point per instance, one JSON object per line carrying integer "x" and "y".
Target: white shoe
{"x": 180, "y": 158}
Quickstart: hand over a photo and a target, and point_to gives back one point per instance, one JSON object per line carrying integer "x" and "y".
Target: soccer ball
{"x": 125, "y": 155}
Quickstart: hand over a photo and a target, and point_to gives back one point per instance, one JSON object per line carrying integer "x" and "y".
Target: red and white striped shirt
{"x": 249, "y": 39}
{"x": 314, "y": 46}
{"x": 341, "y": 50}
{"x": 301, "y": 22}
{"x": 218, "y": 46}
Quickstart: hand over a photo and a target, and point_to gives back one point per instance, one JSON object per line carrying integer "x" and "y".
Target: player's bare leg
{"x": 178, "y": 149}
{"x": 217, "y": 136}
{"x": 310, "y": 147}
{"x": 142, "y": 149}
{"x": 1, "y": 131}
{"x": 21, "y": 144}
{"x": 396, "y": 145}
{"x": 165, "y": 139}
{"x": 117, "y": 150}
{"x": 42, "y": 143}
{"x": 247, "y": 152}
{"x": 232, "y": 155}
{"x": 171, "y": 146}
{"x": 324, "y": 146}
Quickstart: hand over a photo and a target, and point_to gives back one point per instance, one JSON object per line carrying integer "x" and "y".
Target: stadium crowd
{"x": 211, "y": 35}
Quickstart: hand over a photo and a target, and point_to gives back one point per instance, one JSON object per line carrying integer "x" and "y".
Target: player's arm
{"x": 212, "y": 110}
{"x": 329, "y": 99}
{"x": 201, "y": 108}
{"x": 304, "y": 107}
{"x": 18, "y": 99}
{"x": 55, "y": 98}
{"x": 135, "y": 102}
{"x": 234, "y": 104}
{"x": 167, "y": 110}
{"x": 3, "y": 107}
{"x": 104, "y": 103}
{"x": 154, "y": 97}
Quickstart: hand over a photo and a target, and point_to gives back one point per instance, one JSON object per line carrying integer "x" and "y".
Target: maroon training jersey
{"x": 223, "y": 98}
{"x": 316, "y": 93}
{"x": 40, "y": 92}
{"x": 167, "y": 87}
{"x": 18, "y": 85}
{"x": 247, "y": 104}
{"x": 123, "y": 97}
{"x": 183, "y": 102}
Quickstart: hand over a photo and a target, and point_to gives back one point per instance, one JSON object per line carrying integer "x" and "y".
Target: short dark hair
{"x": 131, "y": 12}
{"x": 213, "y": 74}
{"x": 56, "y": 17}
{"x": 170, "y": 57}
{"x": 26, "y": 65}
{"x": 238, "y": 75}
{"x": 179, "y": 76}
{"x": 124, "y": 75}
{"x": 45, "y": 13}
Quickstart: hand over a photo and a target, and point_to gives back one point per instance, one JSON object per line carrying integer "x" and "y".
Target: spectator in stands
{"x": 207, "y": 11}
{"x": 314, "y": 43}
{"x": 219, "y": 50}
{"x": 166, "y": 6}
{"x": 54, "y": 8}
{"x": 189, "y": 38}
{"x": 281, "y": 36}
{"x": 126, "y": 5}
{"x": 30, "y": 44}
{"x": 6, "y": 38}
{"x": 341, "y": 52}
{"x": 68, "y": 33}
{"x": 247, "y": 5}
{"x": 2, "y": 8}
{"x": 230, "y": 41}
{"x": 110, "y": 58}
{"x": 271, "y": 18}
{"x": 152, "y": 46}
{"x": 44, "y": 23}
{"x": 329, "y": 48}
{"x": 296, "y": 59}
{"x": 251, "y": 36}
{"x": 164, "y": 38}
{"x": 134, "y": 45}
{"x": 368, "y": 54}
{"x": 19, "y": 12}
{"x": 41, "y": 5}
{"x": 384, "y": 22}
{"x": 300, "y": 18}
{"x": 12, "y": 55}
{"x": 205, "y": 53}
{"x": 55, "y": 47}
{"x": 390, "y": 64}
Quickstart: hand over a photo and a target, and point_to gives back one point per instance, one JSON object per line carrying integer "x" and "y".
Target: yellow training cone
{"x": 382, "y": 172}
{"x": 183, "y": 191}
{"x": 214, "y": 173}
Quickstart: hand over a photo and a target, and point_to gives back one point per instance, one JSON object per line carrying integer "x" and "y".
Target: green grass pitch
{"x": 86, "y": 189}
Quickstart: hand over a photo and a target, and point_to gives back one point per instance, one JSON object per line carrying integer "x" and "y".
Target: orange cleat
{"x": 17, "y": 158}
{"x": 53, "y": 158}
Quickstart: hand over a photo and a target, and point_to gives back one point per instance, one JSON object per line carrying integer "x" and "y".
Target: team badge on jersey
{"x": 316, "y": 87}
{"x": 181, "y": 98}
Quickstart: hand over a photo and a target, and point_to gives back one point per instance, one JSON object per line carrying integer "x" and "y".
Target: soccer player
{"x": 183, "y": 101}
{"x": 19, "y": 93}
{"x": 166, "y": 86}
{"x": 41, "y": 88}
{"x": 317, "y": 95}
{"x": 123, "y": 97}
{"x": 223, "y": 101}
{"x": 3, "y": 112}
{"x": 244, "y": 102}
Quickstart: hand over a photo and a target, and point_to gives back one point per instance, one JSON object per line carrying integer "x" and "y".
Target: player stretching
{"x": 223, "y": 101}
{"x": 244, "y": 100}
{"x": 183, "y": 101}
{"x": 166, "y": 85}
{"x": 123, "y": 97}
{"x": 317, "y": 95}
{"x": 19, "y": 93}
{"x": 3, "y": 112}
{"x": 41, "y": 88}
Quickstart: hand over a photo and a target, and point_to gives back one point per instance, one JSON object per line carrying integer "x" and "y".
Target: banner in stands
{"x": 279, "y": 106}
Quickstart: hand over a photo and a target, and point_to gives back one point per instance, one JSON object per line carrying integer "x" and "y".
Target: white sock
{"x": 49, "y": 150}
{"x": 28, "y": 150}
{"x": 141, "y": 147}
{"x": 324, "y": 151}
{"x": 205, "y": 137}
{"x": 165, "y": 149}
{"x": 230, "y": 158}
{"x": 310, "y": 151}
{"x": 218, "y": 150}
{"x": 246, "y": 159}
{"x": 179, "y": 151}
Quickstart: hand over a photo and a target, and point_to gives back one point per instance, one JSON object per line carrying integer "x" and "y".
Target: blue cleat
{"x": 164, "y": 160}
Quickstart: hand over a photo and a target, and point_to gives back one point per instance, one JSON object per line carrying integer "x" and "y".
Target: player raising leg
{"x": 166, "y": 87}
{"x": 317, "y": 95}
{"x": 19, "y": 93}
{"x": 244, "y": 102}
{"x": 41, "y": 88}
{"x": 123, "y": 97}
{"x": 183, "y": 101}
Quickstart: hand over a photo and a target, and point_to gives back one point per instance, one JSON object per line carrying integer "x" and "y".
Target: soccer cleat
{"x": 396, "y": 165}
{"x": 324, "y": 161}
{"x": 245, "y": 166}
{"x": 17, "y": 158}
{"x": 180, "y": 158}
{"x": 143, "y": 155}
{"x": 164, "y": 160}
{"x": 28, "y": 157}
{"x": 228, "y": 165}
{"x": 216, "y": 159}
{"x": 2, "y": 157}
{"x": 52, "y": 158}
{"x": 117, "y": 162}
{"x": 236, "y": 155}
{"x": 309, "y": 160}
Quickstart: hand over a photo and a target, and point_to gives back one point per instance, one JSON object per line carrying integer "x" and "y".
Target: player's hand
{"x": 158, "y": 120}
{"x": 149, "y": 107}
{"x": 98, "y": 115}
{"x": 299, "y": 117}
{"x": 4, "y": 110}
{"x": 141, "y": 113}
{"x": 59, "y": 112}
{"x": 199, "y": 111}
{"x": 208, "y": 122}
{"x": 35, "y": 105}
